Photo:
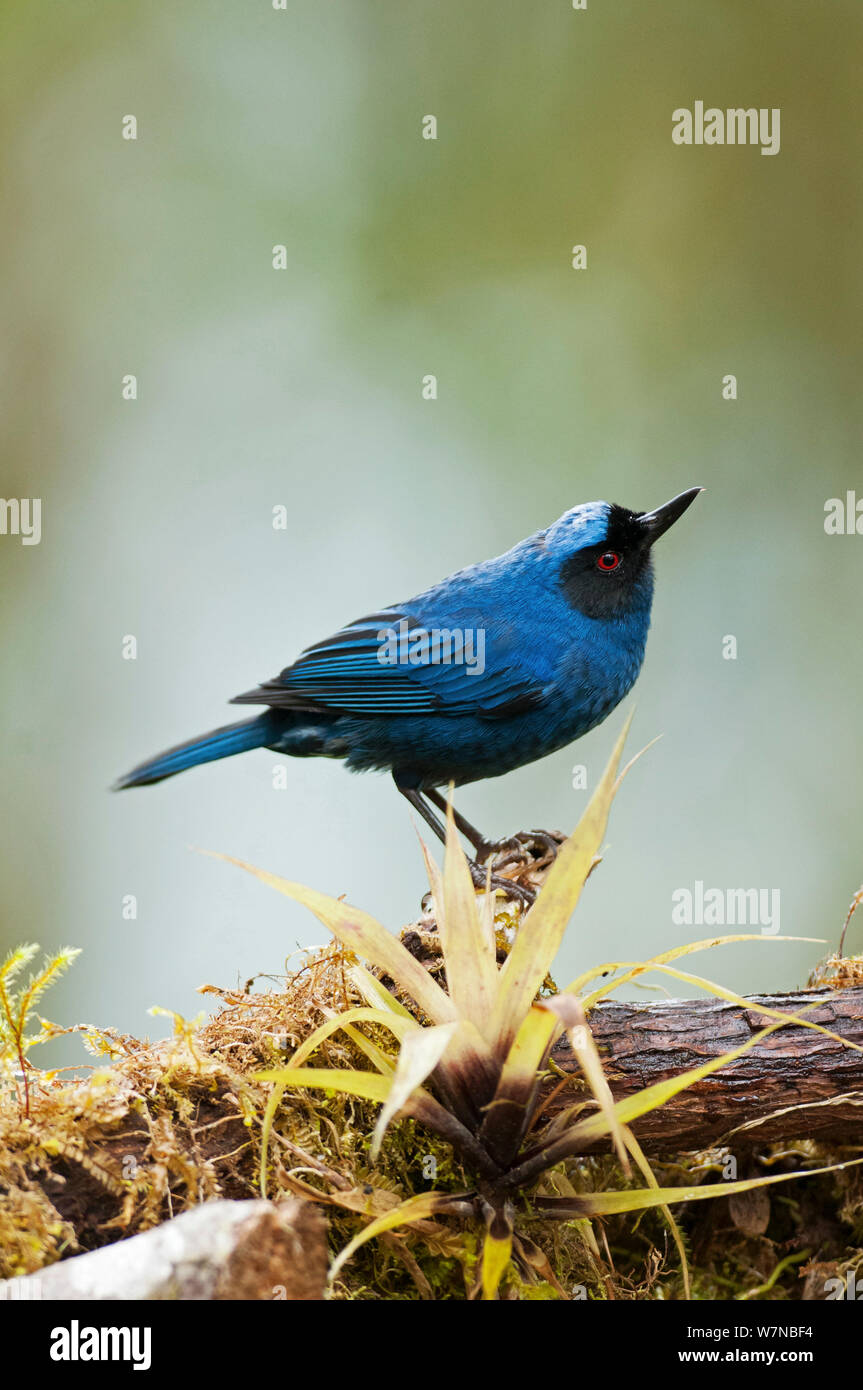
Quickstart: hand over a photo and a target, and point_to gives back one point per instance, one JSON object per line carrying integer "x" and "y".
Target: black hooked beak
{"x": 657, "y": 522}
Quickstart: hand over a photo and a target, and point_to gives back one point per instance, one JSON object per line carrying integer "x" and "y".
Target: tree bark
{"x": 793, "y": 1084}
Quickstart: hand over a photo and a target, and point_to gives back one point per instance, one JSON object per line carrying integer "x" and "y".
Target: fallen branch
{"x": 795, "y": 1084}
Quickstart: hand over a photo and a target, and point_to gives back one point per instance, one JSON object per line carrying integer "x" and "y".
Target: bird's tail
{"x": 219, "y": 743}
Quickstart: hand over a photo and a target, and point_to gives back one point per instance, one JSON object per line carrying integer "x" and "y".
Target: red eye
{"x": 608, "y": 562}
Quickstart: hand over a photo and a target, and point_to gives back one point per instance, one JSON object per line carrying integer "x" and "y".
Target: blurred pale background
{"x": 303, "y": 388}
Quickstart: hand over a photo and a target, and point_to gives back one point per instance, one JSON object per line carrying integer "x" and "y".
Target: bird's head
{"x": 605, "y": 552}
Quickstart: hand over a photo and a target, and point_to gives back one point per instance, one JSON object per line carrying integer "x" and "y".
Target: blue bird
{"x": 496, "y": 666}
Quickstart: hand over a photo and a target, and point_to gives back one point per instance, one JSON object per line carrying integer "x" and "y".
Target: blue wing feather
{"x": 345, "y": 673}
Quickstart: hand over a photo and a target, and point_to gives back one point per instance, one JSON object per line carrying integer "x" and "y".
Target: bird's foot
{"x": 533, "y": 847}
{"x": 519, "y": 892}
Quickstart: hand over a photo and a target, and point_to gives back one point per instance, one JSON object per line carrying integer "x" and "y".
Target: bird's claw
{"x": 519, "y": 892}
{"x": 521, "y": 847}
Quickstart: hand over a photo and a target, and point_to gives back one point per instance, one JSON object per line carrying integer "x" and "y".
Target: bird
{"x": 496, "y": 666}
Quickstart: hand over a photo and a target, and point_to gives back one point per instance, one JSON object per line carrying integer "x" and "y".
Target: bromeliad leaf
{"x": 420, "y": 1052}
{"x": 637, "y": 1199}
{"x": 542, "y": 931}
{"x": 467, "y": 944}
{"x": 366, "y": 937}
{"x": 569, "y": 1010}
{"x": 507, "y": 1117}
{"x": 396, "y": 1024}
{"x": 376, "y": 994}
{"x": 364, "y": 1084}
{"x": 419, "y": 1208}
{"x": 641, "y": 967}
{"x": 384, "y": 1061}
{"x": 497, "y": 1246}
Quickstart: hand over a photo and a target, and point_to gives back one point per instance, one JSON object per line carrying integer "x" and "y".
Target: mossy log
{"x": 795, "y": 1083}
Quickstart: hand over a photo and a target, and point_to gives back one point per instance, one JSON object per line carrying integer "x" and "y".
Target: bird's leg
{"x": 518, "y": 845}
{"x": 479, "y": 877}
{"x": 413, "y": 796}
{"x": 470, "y": 832}
{"x": 548, "y": 842}
{"x": 483, "y": 848}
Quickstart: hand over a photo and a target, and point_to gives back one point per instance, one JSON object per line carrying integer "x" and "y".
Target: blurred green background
{"x": 302, "y": 387}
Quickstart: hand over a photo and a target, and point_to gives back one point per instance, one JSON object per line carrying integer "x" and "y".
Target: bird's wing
{"x": 345, "y": 673}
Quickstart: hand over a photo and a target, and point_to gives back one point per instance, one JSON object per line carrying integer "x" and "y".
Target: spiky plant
{"x": 468, "y": 1060}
